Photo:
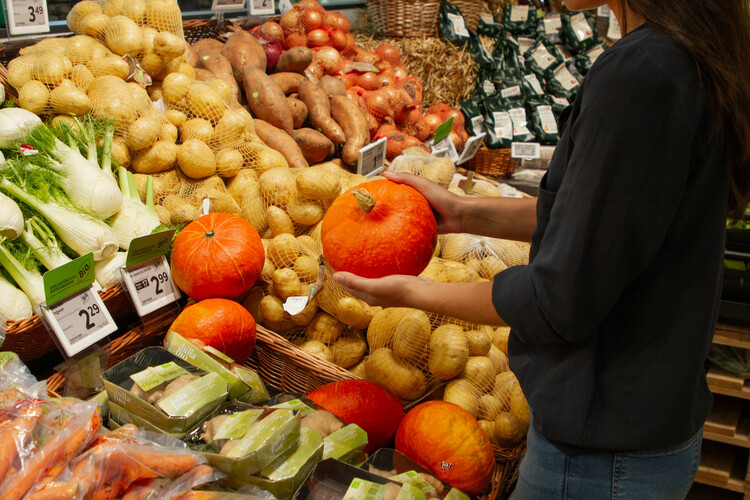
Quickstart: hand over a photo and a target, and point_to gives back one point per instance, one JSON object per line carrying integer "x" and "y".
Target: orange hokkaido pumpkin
{"x": 448, "y": 441}
{"x": 379, "y": 228}
{"x": 217, "y": 255}
{"x": 220, "y": 323}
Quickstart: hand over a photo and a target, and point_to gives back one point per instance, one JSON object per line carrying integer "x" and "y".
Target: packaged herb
{"x": 543, "y": 121}
{"x": 485, "y": 85}
{"x": 481, "y": 56}
{"x": 578, "y": 32}
{"x": 521, "y": 131}
{"x": 453, "y": 24}
{"x": 512, "y": 57}
{"x": 508, "y": 85}
{"x": 563, "y": 52}
{"x": 550, "y": 27}
{"x": 585, "y": 59}
{"x": 558, "y": 105}
{"x": 520, "y": 19}
{"x": 488, "y": 26}
{"x": 532, "y": 86}
{"x": 563, "y": 83}
{"x": 472, "y": 110}
{"x": 541, "y": 58}
{"x": 497, "y": 123}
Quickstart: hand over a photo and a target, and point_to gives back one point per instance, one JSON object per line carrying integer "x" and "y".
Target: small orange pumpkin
{"x": 217, "y": 255}
{"x": 448, "y": 441}
{"x": 379, "y": 228}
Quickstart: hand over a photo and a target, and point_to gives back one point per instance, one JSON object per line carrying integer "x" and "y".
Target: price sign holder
{"x": 73, "y": 311}
{"x": 26, "y": 17}
{"x": 146, "y": 275}
{"x": 262, "y": 7}
{"x": 372, "y": 158}
{"x": 285, "y": 6}
{"x": 526, "y": 150}
{"x": 224, "y": 5}
{"x": 82, "y": 372}
{"x": 470, "y": 148}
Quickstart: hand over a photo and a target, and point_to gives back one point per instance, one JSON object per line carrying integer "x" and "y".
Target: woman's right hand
{"x": 445, "y": 205}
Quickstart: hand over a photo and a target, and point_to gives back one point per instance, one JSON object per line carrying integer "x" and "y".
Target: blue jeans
{"x": 546, "y": 473}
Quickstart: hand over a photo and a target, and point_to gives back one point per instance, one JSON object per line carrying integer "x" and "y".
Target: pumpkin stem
{"x": 210, "y": 234}
{"x": 365, "y": 200}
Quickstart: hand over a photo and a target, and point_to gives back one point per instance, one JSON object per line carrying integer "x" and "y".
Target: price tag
{"x": 222, "y": 5}
{"x": 487, "y": 18}
{"x": 526, "y": 150}
{"x": 552, "y": 24}
{"x": 27, "y": 16}
{"x": 445, "y": 149}
{"x": 261, "y": 8}
{"x": 295, "y": 305}
{"x": 613, "y": 32}
{"x": 79, "y": 321}
{"x": 470, "y": 148}
{"x": 603, "y": 11}
{"x": 443, "y": 130}
{"x": 147, "y": 247}
{"x": 372, "y": 158}
{"x": 284, "y": 6}
{"x": 150, "y": 285}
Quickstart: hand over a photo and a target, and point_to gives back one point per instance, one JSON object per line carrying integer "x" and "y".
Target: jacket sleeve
{"x": 622, "y": 185}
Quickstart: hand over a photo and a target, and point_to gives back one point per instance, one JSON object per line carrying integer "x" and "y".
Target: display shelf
{"x": 723, "y": 466}
{"x": 721, "y": 381}
{"x": 732, "y": 336}
{"x": 727, "y": 422}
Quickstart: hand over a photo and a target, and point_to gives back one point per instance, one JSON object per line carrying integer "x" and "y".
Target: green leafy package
{"x": 485, "y": 85}
{"x": 521, "y": 131}
{"x": 558, "y": 105}
{"x": 483, "y": 59}
{"x": 520, "y": 19}
{"x": 497, "y": 123}
{"x": 508, "y": 85}
{"x": 585, "y": 59}
{"x": 532, "y": 86}
{"x": 453, "y": 24}
{"x": 579, "y": 32}
{"x": 511, "y": 53}
{"x": 541, "y": 58}
{"x": 550, "y": 28}
{"x": 563, "y": 83}
{"x": 472, "y": 110}
{"x": 543, "y": 121}
{"x": 488, "y": 26}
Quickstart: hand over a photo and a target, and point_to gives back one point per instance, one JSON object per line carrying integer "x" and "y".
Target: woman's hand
{"x": 445, "y": 205}
{"x": 389, "y": 291}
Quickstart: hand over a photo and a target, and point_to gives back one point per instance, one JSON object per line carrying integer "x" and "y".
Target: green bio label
{"x": 262, "y": 432}
{"x": 295, "y": 404}
{"x": 344, "y": 441}
{"x": 411, "y": 492}
{"x": 413, "y": 478}
{"x": 359, "y": 489}
{"x": 148, "y": 247}
{"x": 237, "y": 424}
{"x": 218, "y": 354}
{"x": 68, "y": 279}
{"x": 156, "y": 375}
{"x": 455, "y": 494}
{"x": 6, "y": 356}
{"x": 194, "y": 396}
{"x": 443, "y": 130}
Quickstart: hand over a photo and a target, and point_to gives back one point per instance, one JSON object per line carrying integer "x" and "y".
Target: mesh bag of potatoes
{"x": 478, "y": 188}
{"x": 418, "y": 162}
{"x": 483, "y": 256}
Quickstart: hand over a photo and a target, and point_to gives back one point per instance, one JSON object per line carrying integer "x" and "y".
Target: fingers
{"x": 354, "y": 285}
{"x": 415, "y": 181}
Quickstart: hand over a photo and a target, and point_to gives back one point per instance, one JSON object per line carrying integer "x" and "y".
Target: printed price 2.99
{"x": 88, "y": 313}
{"x": 159, "y": 280}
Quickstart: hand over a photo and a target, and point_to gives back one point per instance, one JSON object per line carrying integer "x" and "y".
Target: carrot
{"x": 58, "y": 491}
{"x": 281, "y": 142}
{"x": 288, "y": 82}
{"x": 266, "y": 100}
{"x": 17, "y": 433}
{"x": 319, "y": 111}
{"x": 353, "y": 122}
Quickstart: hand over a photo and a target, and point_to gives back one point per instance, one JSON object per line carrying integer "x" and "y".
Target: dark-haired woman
{"x": 613, "y": 317}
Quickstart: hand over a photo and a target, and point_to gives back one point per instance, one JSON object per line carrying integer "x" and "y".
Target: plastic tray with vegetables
{"x": 334, "y": 479}
{"x": 165, "y": 390}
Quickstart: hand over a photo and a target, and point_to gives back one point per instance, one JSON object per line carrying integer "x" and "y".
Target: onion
{"x": 349, "y": 79}
{"x": 338, "y": 40}
{"x": 399, "y": 73}
{"x": 290, "y": 22}
{"x": 309, "y": 4}
{"x": 330, "y": 21}
{"x": 273, "y": 48}
{"x": 343, "y": 23}
{"x": 330, "y": 58}
{"x": 368, "y": 81}
{"x": 273, "y": 31}
{"x": 433, "y": 121}
{"x": 295, "y": 40}
{"x": 367, "y": 57}
{"x": 458, "y": 119}
{"x": 377, "y": 104}
{"x": 311, "y": 19}
{"x": 318, "y": 38}
{"x": 385, "y": 79}
{"x": 351, "y": 46}
{"x": 384, "y": 66}
{"x": 388, "y": 52}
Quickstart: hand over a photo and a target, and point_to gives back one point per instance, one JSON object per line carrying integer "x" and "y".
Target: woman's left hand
{"x": 389, "y": 291}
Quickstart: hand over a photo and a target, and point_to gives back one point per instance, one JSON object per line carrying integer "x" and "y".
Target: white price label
{"x": 470, "y": 148}
{"x": 581, "y": 27}
{"x": 79, "y": 321}
{"x": 549, "y": 124}
{"x": 445, "y": 149}
{"x": 613, "y": 32}
{"x": 459, "y": 25}
{"x": 534, "y": 82}
{"x": 566, "y": 79}
{"x": 285, "y": 6}
{"x": 372, "y": 158}
{"x": 295, "y": 305}
{"x": 524, "y": 44}
{"x": 594, "y": 53}
{"x": 487, "y": 18}
{"x": 513, "y": 91}
{"x": 519, "y": 13}
{"x": 488, "y": 87}
{"x": 27, "y": 16}
{"x": 603, "y": 11}
{"x": 552, "y": 24}
{"x": 222, "y": 5}
{"x": 150, "y": 285}
{"x": 542, "y": 56}
{"x": 261, "y": 7}
{"x": 526, "y": 150}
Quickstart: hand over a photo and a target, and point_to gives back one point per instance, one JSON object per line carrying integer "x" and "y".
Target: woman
{"x": 613, "y": 317}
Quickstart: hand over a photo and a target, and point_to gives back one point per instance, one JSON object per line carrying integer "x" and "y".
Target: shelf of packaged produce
{"x": 724, "y": 467}
{"x": 732, "y": 336}
{"x": 721, "y": 381}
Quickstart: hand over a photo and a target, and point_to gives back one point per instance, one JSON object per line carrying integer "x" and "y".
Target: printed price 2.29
{"x": 88, "y": 313}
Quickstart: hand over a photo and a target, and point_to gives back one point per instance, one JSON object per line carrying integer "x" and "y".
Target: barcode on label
{"x": 525, "y": 150}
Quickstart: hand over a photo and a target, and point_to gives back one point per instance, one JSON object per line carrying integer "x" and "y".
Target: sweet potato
{"x": 332, "y": 86}
{"x": 281, "y": 142}
{"x": 319, "y": 111}
{"x": 203, "y": 75}
{"x": 242, "y": 49}
{"x": 299, "y": 111}
{"x": 287, "y": 82}
{"x": 294, "y": 60}
{"x": 354, "y": 124}
{"x": 266, "y": 100}
{"x": 217, "y": 64}
{"x": 314, "y": 145}
{"x": 207, "y": 44}
{"x": 192, "y": 55}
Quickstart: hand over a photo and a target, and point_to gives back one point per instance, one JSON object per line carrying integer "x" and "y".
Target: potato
{"x": 81, "y": 77}
{"x": 196, "y": 159}
{"x": 20, "y": 70}
{"x": 402, "y": 379}
{"x": 499, "y": 359}
{"x": 491, "y": 266}
{"x": 66, "y": 98}
{"x": 306, "y": 268}
{"x": 135, "y": 10}
{"x": 351, "y": 311}
{"x": 34, "y": 97}
{"x": 308, "y": 246}
{"x": 286, "y": 283}
{"x": 147, "y": 39}
{"x": 224, "y": 89}
{"x": 278, "y": 186}
{"x": 411, "y": 335}
{"x": 123, "y": 36}
{"x": 460, "y": 392}
{"x": 500, "y": 338}
{"x": 110, "y": 65}
{"x": 272, "y": 308}
{"x": 94, "y": 25}
{"x": 309, "y": 312}
{"x": 253, "y": 211}
{"x": 479, "y": 342}
{"x": 244, "y": 184}
{"x": 480, "y": 371}
{"x": 360, "y": 369}
{"x": 283, "y": 250}
{"x": 505, "y": 383}
{"x": 318, "y": 349}
{"x": 519, "y": 407}
{"x": 455, "y": 247}
{"x": 176, "y": 117}
{"x": 168, "y": 133}
{"x": 489, "y": 407}
{"x": 153, "y": 64}
{"x": 205, "y": 102}
{"x": 449, "y": 351}
{"x": 324, "y": 328}
{"x": 175, "y": 87}
{"x": 121, "y": 154}
{"x": 266, "y": 273}
{"x": 113, "y": 7}
{"x": 228, "y": 163}
{"x": 348, "y": 351}
{"x": 79, "y": 12}
{"x": 157, "y": 158}
{"x": 78, "y": 49}
{"x": 279, "y": 221}
{"x": 230, "y": 129}
{"x": 50, "y": 68}
{"x": 508, "y": 430}
{"x": 382, "y": 326}
{"x": 198, "y": 129}
{"x": 164, "y": 15}
{"x": 180, "y": 209}
{"x": 433, "y": 271}
{"x": 219, "y": 200}
{"x": 168, "y": 45}
{"x": 142, "y": 133}
{"x": 489, "y": 428}
{"x": 304, "y": 212}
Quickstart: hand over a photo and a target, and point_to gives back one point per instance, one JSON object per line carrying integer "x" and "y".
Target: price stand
{"x": 26, "y": 17}
{"x": 372, "y": 158}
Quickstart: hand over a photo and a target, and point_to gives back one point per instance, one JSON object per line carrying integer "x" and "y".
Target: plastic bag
{"x": 453, "y": 24}
{"x": 579, "y": 31}
{"x": 482, "y": 57}
{"x": 488, "y": 26}
{"x": 585, "y": 59}
{"x": 563, "y": 83}
{"x": 543, "y": 121}
{"x": 520, "y": 19}
{"x": 497, "y": 123}
{"x": 541, "y": 58}
{"x": 474, "y": 118}
{"x": 733, "y": 359}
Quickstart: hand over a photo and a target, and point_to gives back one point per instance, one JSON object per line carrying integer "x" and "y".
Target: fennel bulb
{"x": 11, "y": 218}
{"x": 15, "y": 123}
{"x": 106, "y": 271}
{"x": 14, "y": 304}
{"x": 30, "y": 281}
{"x": 90, "y": 187}
{"x": 81, "y": 232}
{"x": 134, "y": 218}
{"x": 46, "y": 250}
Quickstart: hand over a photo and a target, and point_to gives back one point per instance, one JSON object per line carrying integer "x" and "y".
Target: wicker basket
{"x": 495, "y": 163}
{"x": 471, "y": 10}
{"x": 404, "y": 18}
{"x": 30, "y": 340}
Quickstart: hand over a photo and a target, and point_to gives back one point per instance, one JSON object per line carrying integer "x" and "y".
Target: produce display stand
{"x": 496, "y": 163}
{"x": 404, "y": 18}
